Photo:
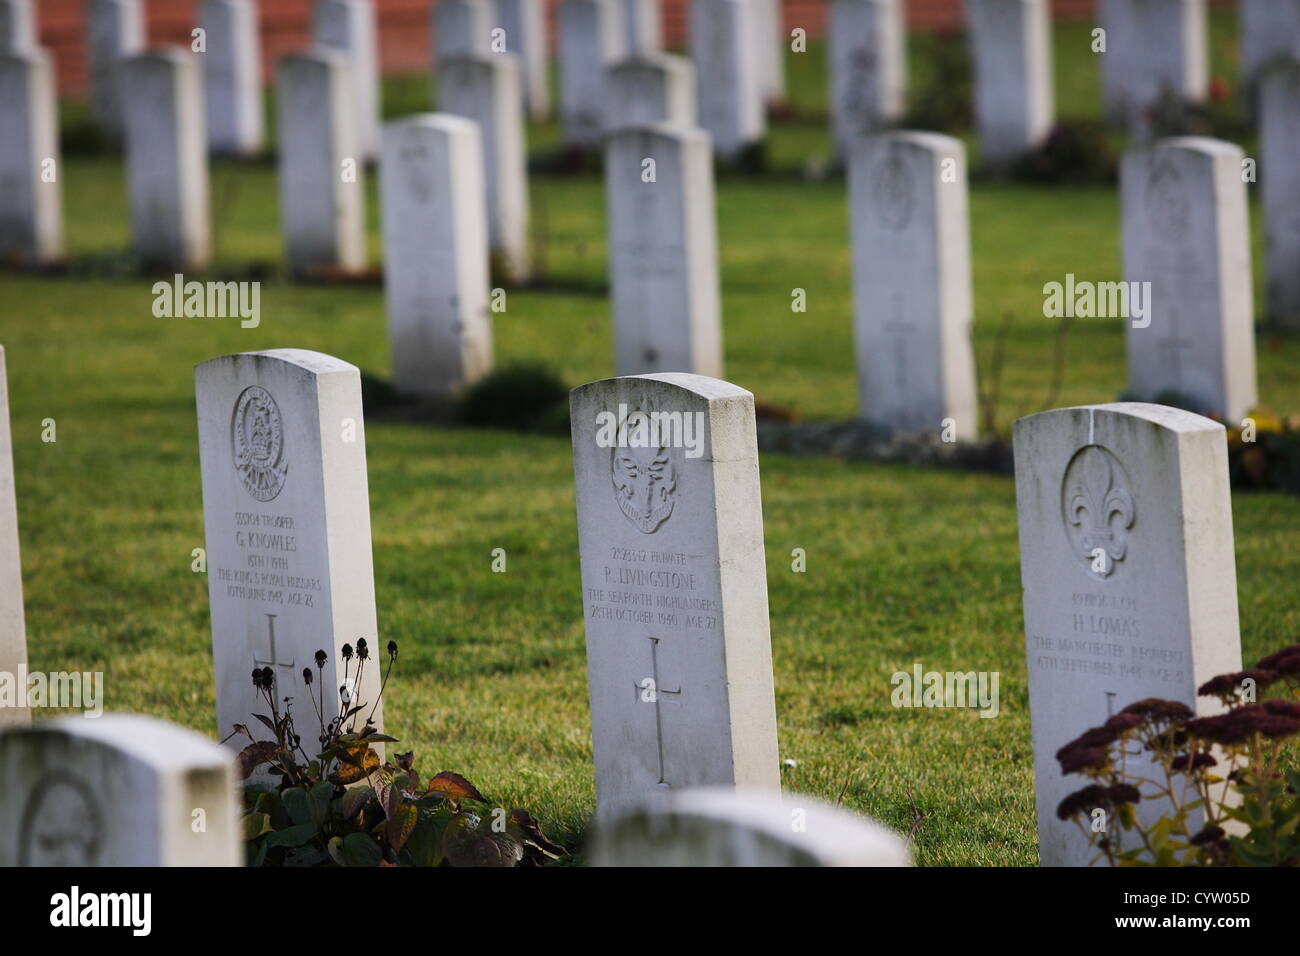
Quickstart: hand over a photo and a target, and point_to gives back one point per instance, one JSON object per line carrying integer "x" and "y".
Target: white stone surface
{"x": 728, "y": 71}
{"x": 349, "y": 26}
{"x": 461, "y": 27}
{"x": 867, "y": 51}
{"x": 232, "y": 77}
{"x": 525, "y": 24}
{"x": 642, "y": 27}
{"x": 434, "y": 208}
{"x": 771, "y": 40}
{"x": 674, "y": 585}
{"x": 1186, "y": 231}
{"x": 713, "y": 826}
{"x": 485, "y": 89}
{"x": 912, "y": 300}
{"x": 13, "y": 631}
{"x": 1011, "y": 42}
{"x": 167, "y": 158}
{"x": 17, "y": 26}
{"x": 31, "y": 205}
{"x": 118, "y": 790}
{"x": 591, "y": 39}
{"x": 663, "y": 251}
{"x": 1279, "y": 185}
{"x": 653, "y": 88}
{"x": 286, "y": 515}
{"x": 322, "y": 214}
{"x": 1270, "y": 30}
{"x": 1140, "y": 491}
{"x": 1154, "y": 48}
{"x": 114, "y": 31}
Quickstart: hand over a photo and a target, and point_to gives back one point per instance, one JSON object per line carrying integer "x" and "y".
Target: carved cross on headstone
{"x": 274, "y": 660}
{"x": 650, "y": 692}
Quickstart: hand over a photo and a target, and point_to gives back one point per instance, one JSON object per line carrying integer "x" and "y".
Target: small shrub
{"x": 1075, "y": 153}
{"x": 527, "y": 398}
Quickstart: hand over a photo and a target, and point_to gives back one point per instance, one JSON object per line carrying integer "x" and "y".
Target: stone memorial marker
{"x": 232, "y": 77}
{"x": 525, "y": 24}
{"x": 728, "y": 72}
{"x": 119, "y": 790}
{"x": 461, "y": 27}
{"x": 642, "y": 27}
{"x": 713, "y": 826}
{"x": 868, "y": 60}
{"x": 652, "y": 88}
{"x": 1130, "y": 585}
{"x": 17, "y": 26}
{"x": 1154, "y": 49}
{"x": 591, "y": 40}
{"x": 13, "y": 630}
{"x": 1186, "y": 232}
{"x": 167, "y": 158}
{"x": 31, "y": 203}
{"x": 286, "y": 517}
{"x": 912, "y": 282}
{"x": 435, "y": 253}
{"x": 486, "y": 90}
{"x": 1270, "y": 31}
{"x": 349, "y": 26}
{"x": 1012, "y": 45}
{"x": 670, "y": 526}
{"x": 1279, "y": 183}
{"x": 114, "y": 31}
{"x": 663, "y": 251}
{"x": 322, "y": 212}
{"x": 771, "y": 40}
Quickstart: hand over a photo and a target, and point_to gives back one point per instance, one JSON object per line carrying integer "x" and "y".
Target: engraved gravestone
{"x": 462, "y": 26}
{"x": 485, "y": 89}
{"x": 322, "y": 212}
{"x": 1011, "y": 42}
{"x": 13, "y": 630}
{"x": 713, "y": 826}
{"x": 642, "y": 26}
{"x": 591, "y": 39}
{"x": 728, "y": 74}
{"x": 912, "y": 282}
{"x": 435, "y": 253}
{"x": 232, "y": 77}
{"x": 1130, "y": 587}
{"x": 349, "y": 27}
{"x": 651, "y": 88}
{"x": 524, "y": 23}
{"x": 670, "y": 527}
{"x": 1154, "y": 49}
{"x": 166, "y": 158}
{"x": 286, "y": 517}
{"x": 119, "y": 790}
{"x": 1279, "y": 184}
{"x": 114, "y": 31}
{"x": 1186, "y": 232}
{"x": 663, "y": 251}
{"x": 1270, "y": 31}
{"x": 31, "y": 202}
{"x": 868, "y": 66}
{"x": 17, "y": 26}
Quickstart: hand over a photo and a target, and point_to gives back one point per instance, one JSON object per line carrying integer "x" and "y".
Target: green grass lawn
{"x": 904, "y": 564}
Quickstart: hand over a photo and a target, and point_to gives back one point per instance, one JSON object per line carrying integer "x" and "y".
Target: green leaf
{"x": 318, "y": 801}
{"x": 335, "y": 848}
{"x": 463, "y": 845}
{"x": 255, "y": 824}
{"x": 425, "y": 843}
{"x": 297, "y": 805}
{"x": 294, "y": 836}
{"x": 354, "y": 799}
{"x": 306, "y": 856}
{"x": 361, "y": 850}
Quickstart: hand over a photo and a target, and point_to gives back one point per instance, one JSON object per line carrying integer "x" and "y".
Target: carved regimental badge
{"x": 1167, "y": 204}
{"x": 892, "y": 189}
{"x": 1098, "y": 509}
{"x": 257, "y": 437}
{"x": 644, "y": 480}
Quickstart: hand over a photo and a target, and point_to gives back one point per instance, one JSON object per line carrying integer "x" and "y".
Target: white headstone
{"x": 1279, "y": 183}
{"x": 167, "y": 158}
{"x": 653, "y": 88}
{"x": 31, "y": 203}
{"x": 349, "y": 26}
{"x": 771, "y": 40}
{"x": 670, "y": 526}
{"x": 663, "y": 251}
{"x": 1130, "y": 586}
{"x": 715, "y": 826}
{"x": 486, "y": 90}
{"x": 868, "y": 66}
{"x": 286, "y": 516}
{"x": 118, "y": 790}
{"x": 17, "y": 26}
{"x": 642, "y": 26}
{"x": 728, "y": 71}
{"x": 461, "y": 27}
{"x": 1154, "y": 49}
{"x": 13, "y": 630}
{"x": 591, "y": 39}
{"x": 1012, "y": 46}
{"x": 435, "y": 253}
{"x": 114, "y": 31}
{"x": 912, "y": 282}
{"x": 1186, "y": 232}
{"x": 1270, "y": 30}
{"x": 524, "y": 22}
{"x": 322, "y": 207}
{"x": 232, "y": 77}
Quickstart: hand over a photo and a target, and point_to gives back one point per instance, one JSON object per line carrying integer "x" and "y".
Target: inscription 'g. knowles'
{"x": 257, "y": 439}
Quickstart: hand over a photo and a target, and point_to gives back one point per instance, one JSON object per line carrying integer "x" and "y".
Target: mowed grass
{"x": 904, "y": 564}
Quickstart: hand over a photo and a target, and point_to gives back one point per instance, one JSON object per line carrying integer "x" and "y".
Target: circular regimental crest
{"x": 644, "y": 476}
{"x": 62, "y": 824}
{"x": 257, "y": 436}
{"x": 1097, "y": 509}
{"x": 1167, "y": 204}
{"x": 892, "y": 190}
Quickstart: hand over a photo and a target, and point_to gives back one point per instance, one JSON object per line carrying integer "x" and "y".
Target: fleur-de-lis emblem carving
{"x": 1098, "y": 509}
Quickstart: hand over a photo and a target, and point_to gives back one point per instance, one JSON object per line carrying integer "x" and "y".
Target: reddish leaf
{"x": 401, "y": 824}
{"x": 456, "y": 786}
{"x": 356, "y": 763}
{"x": 253, "y": 756}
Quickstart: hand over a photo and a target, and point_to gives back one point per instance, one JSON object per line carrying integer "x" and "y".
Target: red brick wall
{"x": 404, "y": 27}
